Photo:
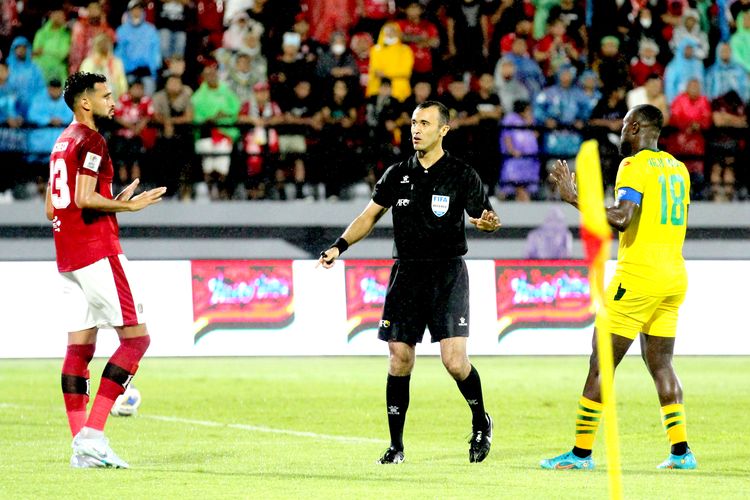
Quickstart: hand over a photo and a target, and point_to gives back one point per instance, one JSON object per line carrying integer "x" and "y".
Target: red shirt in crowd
{"x": 424, "y": 30}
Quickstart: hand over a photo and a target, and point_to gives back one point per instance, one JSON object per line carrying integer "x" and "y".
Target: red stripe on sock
{"x": 127, "y": 304}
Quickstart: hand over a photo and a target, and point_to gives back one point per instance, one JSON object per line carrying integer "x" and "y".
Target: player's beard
{"x": 103, "y": 122}
{"x": 626, "y": 149}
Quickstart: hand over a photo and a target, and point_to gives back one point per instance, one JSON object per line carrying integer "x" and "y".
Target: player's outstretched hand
{"x": 146, "y": 198}
{"x": 564, "y": 181}
{"x": 128, "y": 192}
{"x": 488, "y": 222}
{"x": 328, "y": 257}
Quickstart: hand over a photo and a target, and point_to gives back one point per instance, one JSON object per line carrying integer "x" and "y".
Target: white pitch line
{"x": 268, "y": 430}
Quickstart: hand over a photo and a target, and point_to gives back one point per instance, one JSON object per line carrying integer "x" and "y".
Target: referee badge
{"x": 440, "y": 204}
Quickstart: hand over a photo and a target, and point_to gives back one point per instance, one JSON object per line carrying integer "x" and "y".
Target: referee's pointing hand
{"x": 488, "y": 222}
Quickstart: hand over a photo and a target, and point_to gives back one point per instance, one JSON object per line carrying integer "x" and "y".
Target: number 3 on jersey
{"x": 676, "y": 194}
{"x": 59, "y": 190}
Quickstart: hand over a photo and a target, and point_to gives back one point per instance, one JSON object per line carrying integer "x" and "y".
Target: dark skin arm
{"x": 618, "y": 216}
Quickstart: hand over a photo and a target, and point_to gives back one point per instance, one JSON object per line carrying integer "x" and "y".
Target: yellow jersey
{"x": 649, "y": 258}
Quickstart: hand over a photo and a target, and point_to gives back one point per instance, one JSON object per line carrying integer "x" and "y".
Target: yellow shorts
{"x": 632, "y": 312}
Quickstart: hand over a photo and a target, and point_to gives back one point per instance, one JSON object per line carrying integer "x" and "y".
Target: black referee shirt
{"x": 428, "y": 206}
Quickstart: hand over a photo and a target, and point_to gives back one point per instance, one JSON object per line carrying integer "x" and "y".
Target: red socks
{"x": 116, "y": 376}
{"x": 75, "y": 383}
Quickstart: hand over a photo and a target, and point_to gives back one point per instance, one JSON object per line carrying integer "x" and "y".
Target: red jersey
{"x": 82, "y": 237}
{"x": 422, "y": 30}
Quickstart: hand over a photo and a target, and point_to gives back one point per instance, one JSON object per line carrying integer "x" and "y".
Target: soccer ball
{"x": 127, "y": 403}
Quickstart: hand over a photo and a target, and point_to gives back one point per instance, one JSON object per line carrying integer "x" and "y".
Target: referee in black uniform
{"x": 429, "y": 283}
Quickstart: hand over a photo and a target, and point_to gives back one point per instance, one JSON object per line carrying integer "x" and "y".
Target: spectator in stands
{"x": 562, "y": 109}
{"x": 103, "y": 61}
{"x": 505, "y": 21}
{"x": 52, "y": 46}
{"x": 175, "y": 157}
{"x": 330, "y": 16}
{"x": 690, "y": 28}
{"x": 528, "y": 71}
{"x": 240, "y": 74}
{"x": 422, "y": 37}
{"x": 726, "y": 75}
{"x": 463, "y": 117}
{"x": 523, "y": 31}
{"x": 519, "y": 176}
{"x": 172, "y": 21}
{"x": 9, "y": 115}
{"x": 309, "y": 48}
{"x": 339, "y": 116}
{"x": 551, "y": 240}
{"x": 360, "y": 46}
{"x": 372, "y": 15}
{"x": 391, "y": 59}
{"x": 12, "y": 140}
{"x": 214, "y": 105}
{"x": 691, "y": 114}
{"x": 210, "y": 23}
{"x": 651, "y": 92}
{"x": 288, "y": 69}
{"x": 90, "y": 23}
{"x": 261, "y": 142}
{"x": 542, "y": 17}
{"x": 239, "y": 26}
{"x": 646, "y": 63}
{"x": 487, "y": 113}
{"x": 646, "y": 26}
{"x": 298, "y": 138}
{"x": 589, "y": 84}
{"x": 51, "y": 115}
{"x": 468, "y": 36}
{"x": 9, "y": 24}
{"x": 337, "y": 63}
{"x": 131, "y": 141}
{"x": 610, "y": 64}
{"x": 683, "y": 68}
{"x": 507, "y": 85}
{"x": 606, "y": 123}
{"x": 574, "y": 17}
{"x": 26, "y": 78}
{"x": 382, "y": 112}
{"x": 740, "y": 41}
{"x": 555, "y": 49}
{"x": 727, "y": 144}
{"x": 138, "y": 46}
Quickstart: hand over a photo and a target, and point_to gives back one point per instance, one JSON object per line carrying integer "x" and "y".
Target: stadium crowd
{"x": 281, "y": 99}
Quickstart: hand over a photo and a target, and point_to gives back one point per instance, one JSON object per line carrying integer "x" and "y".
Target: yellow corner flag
{"x": 596, "y": 234}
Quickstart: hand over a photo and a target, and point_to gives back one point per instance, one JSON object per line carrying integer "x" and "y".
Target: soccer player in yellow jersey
{"x": 649, "y": 285}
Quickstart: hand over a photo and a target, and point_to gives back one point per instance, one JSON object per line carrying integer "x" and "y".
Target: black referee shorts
{"x": 432, "y": 294}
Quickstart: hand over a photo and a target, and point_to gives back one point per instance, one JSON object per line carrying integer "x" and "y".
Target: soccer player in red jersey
{"x": 97, "y": 291}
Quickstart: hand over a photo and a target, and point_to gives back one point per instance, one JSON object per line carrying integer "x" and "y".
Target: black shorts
{"x": 432, "y": 294}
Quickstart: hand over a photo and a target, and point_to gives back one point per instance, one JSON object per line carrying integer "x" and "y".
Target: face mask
{"x": 253, "y": 51}
{"x": 338, "y": 48}
{"x": 648, "y": 61}
{"x": 390, "y": 40}
{"x": 646, "y": 22}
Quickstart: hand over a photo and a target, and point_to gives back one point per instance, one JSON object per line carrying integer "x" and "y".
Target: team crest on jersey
{"x": 440, "y": 204}
{"x": 92, "y": 161}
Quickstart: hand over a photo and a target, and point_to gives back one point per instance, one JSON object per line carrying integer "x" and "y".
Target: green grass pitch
{"x": 313, "y": 427}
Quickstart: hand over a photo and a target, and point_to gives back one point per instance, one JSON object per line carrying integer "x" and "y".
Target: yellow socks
{"x": 673, "y": 418}
{"x": 587, "y": 422}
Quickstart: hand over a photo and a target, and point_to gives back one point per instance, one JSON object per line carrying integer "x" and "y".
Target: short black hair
{"x": 444, "y": 113}
{"x": 78, "y": 83}
{"x": 648, "y": 115}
